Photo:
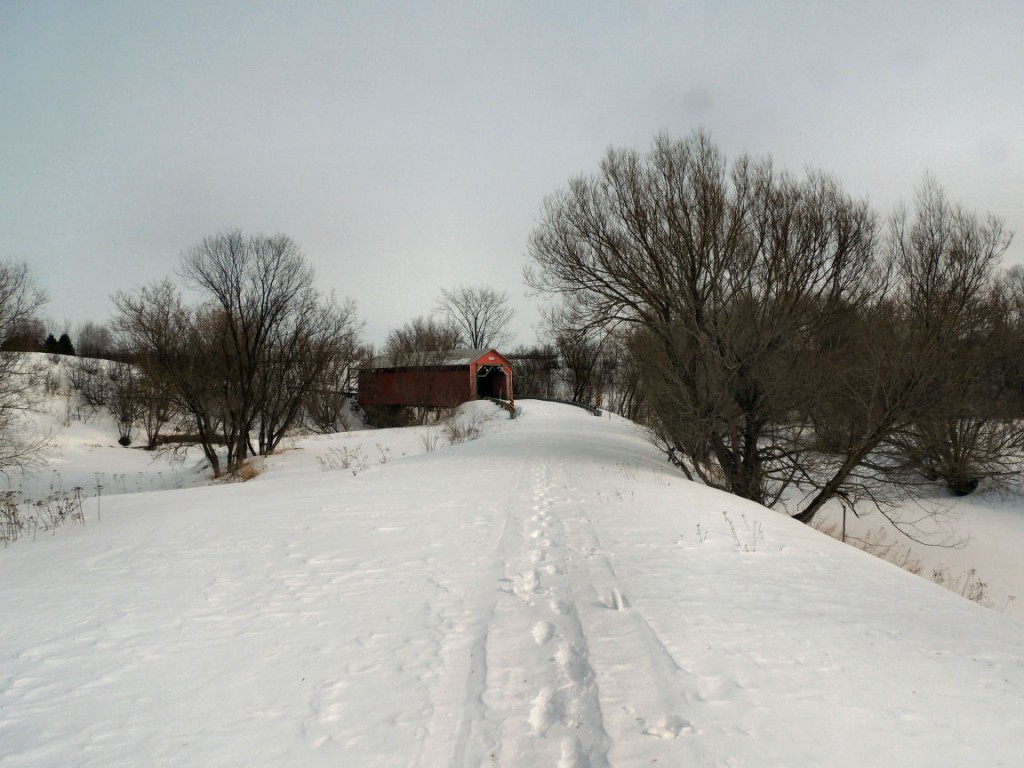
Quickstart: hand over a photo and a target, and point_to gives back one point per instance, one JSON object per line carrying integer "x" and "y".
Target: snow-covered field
{"x": 550, "y": 594}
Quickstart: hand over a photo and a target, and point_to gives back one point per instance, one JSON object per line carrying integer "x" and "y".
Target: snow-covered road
{"x": 551, "y": 594}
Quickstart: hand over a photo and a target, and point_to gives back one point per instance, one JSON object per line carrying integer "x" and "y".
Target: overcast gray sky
{"x": 407, "y": 147}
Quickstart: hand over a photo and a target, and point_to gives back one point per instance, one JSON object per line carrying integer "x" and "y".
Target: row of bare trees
{"x": 471, "y": 317}
{"x": 786, "y": 341}
{"x": 258, "y": 350}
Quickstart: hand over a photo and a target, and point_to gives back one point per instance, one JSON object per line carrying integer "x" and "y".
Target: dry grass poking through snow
{"x": 26, "y": 517}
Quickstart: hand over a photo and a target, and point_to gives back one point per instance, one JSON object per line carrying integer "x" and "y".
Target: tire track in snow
{"x": 646, "y": 691}
{"x": 515, "y": 686}
{"x": 462, "y": 731}
{"x": 519, "y": 684}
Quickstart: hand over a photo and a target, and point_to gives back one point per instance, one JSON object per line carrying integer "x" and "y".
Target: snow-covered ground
{"x": 971, "y": 545}
{"x": 550, "y": 594}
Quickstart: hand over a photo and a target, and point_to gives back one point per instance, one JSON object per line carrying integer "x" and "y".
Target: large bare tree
{"x": 768, "y": 310}
{"x": 728, "y": 273}
{"x": 481, "y": 314}
{"x": 254, "y": 285}
{"x": 905, "y": 379}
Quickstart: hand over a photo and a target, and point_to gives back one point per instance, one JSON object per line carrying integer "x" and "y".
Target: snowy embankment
{"x": 550, "y": 594}
{"x": 971, "y": 544}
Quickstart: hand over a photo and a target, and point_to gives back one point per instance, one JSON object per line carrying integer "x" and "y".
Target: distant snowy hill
{"x": 550, "y": 594}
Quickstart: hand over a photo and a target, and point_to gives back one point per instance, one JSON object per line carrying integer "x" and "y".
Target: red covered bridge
{"x": 436, "y": 380}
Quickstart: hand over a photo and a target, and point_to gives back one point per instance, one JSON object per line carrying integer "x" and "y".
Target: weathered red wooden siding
{"x": 438, "y": 388}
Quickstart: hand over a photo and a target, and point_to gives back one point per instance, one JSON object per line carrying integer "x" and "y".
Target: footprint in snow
{"x": 542, "y": 632}
{"x": 574, "y": 663}
{"x": 526, "y": 585}
{"x": 561, "y": 606}
{"x": 669, "y": 727}
{"x": 545, "y": 711}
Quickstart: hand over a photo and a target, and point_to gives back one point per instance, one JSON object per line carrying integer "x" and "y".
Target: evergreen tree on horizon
{"x": 64, "y": 345}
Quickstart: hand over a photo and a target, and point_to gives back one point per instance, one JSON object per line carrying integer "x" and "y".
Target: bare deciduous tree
{"x": 422, "y": 341}
{"x": 782, "y": 346}
{"x": 327, "y": 405}
{"x": 157, "y": 406}
{"x": 958, "y": 323}
{"x": 125, "y": 399}
{"x": 1010, "y": 298}
{"x": 94, "y": 340}
{"x": 583, "y": 368}
{"x": 533, "y": 370}
{"x": 726, "y": 272}
{"x": 177, "y": 345}
{"x": 26, "y": 335}
{"x": 481, "y": 314}
{"x": 254, "y": 284}
{"x": 420, "y": 344}
{"x": 317, "y": 343}
{"x": 20, "y": 300}
{"x": 240, "y": 364}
